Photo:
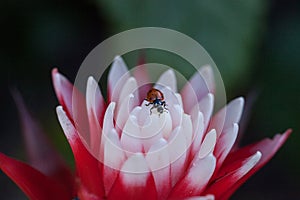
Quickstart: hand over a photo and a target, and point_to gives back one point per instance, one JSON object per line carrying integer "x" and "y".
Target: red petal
{"x": 88, "y": 168}
{"x": 231, "y": 175}
{"x": 196, "y": 178}
{"x": 134, "y": 181}
{"x": 207, "y": 197}
{"x": 224, "y": 145}
{"x": 42, "y": 155}
{"x": 268, "y": 147}
{"x": 73, "y": 102}
{"x": 33, "y": 183}
{"x": 113, "y": 158}
{"x": 95, "y": 108}
{"x": 247, "y": 112}
{"x": 63, "y": 89}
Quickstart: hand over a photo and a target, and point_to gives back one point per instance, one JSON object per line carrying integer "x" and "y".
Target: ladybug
{"x": 156, "y": 98}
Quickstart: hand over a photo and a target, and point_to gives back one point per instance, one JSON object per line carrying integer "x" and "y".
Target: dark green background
{"x": 255, "y": 45}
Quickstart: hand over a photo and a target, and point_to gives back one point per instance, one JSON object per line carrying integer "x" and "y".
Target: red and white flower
{"x": 128, "y": 153}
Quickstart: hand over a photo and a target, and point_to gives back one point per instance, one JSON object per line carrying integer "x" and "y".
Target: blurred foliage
{"x": 255, "y": 44}
{"x": 229, "y": 30}
{"x": 277, "y": 75}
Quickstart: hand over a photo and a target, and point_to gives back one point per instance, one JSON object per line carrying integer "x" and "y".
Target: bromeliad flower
{"x": 124, "y": 151}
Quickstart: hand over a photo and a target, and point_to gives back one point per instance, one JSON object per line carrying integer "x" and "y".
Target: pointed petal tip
{"x": 257, "y": 155}
{"x": 92, "y": 88}
{"x": 282, "y": 137}
{"x": 167, "y": 79}
{"x": 63, "y": 89}
{"x": 66, "y": 124}
{"x": 56, "y": 75}
{"x": 240, "y": 101}
{"x": 208, "y": 144}
{"x": 118, "y": 67}
{"x": 111, "y": 106}
{"x": 118, "y": 57}
{"x": 54, "y": 70}
{"x": 59, "y": 108}
{"x": 207, "y": 73}
{"x": 170, "y": 71}
{"x": 118, "y": 61}
{"x": 91, "y": 80}
{"x": 211, "y": 96}
{"x": 288, "y": 132}
{"x": 206, "y": 69}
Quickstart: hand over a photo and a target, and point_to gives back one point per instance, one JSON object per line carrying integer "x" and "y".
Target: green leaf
{"x": 229, "y": 30}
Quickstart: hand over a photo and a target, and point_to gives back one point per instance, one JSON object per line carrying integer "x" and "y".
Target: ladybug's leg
{"x": 147, "y": 104}
{"x": 151, "y": 110}
{"x": 164, "y": 105}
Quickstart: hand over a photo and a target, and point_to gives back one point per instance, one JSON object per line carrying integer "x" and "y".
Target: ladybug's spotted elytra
{"x": 156, "y": 98}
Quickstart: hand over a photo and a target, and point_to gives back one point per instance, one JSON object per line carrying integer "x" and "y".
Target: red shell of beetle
{"x": 154, "y": 94}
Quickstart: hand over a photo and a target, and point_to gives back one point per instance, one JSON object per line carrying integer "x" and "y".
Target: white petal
{"x": 179, "y": 99}
{"x": 66, "y": 124}
{"x": 124, "y": 109}
{"x": 95, "y": 107}
{"x": 114, "y": 158}
{"x": 108, "y": 122}
{"x": 167, "y": 79}
{"x": 177, "y": 151}
{"x": 248, "y": 164}
{"x": 170, "y": 96}
{"x": 208, "y": 144}
{"x": 227, "y": 116}
{"x": 198, "y": 132}
{"x": 225, "y": 143}
{"x": 159, "y": 163}
{"x": 131, "y": 136}
{"x": 198, "y": 87}
{"x": 176, "y": 113}
{"x": 201, "y": 172}
{"x": 117, "y": 77}
{"x": 130, "y": 87}
{"x": 158, "y": 155}
{"x": 207, "y": 197}
{"x": 135, "y": 171}
{"x": 208, "y": 75}
{"x": 113, "y": 152}
{"x": 108, "y": 125}
{"x": 187, "y": 128}
{"x": 159, "y": 126}
{"x": 142, "y": 114}
{"x": 94, "y": 99}
{"x": 196, "y": 179}
{"x": 206, "y": 106}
